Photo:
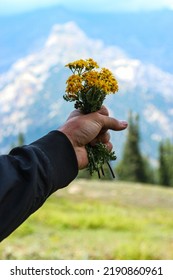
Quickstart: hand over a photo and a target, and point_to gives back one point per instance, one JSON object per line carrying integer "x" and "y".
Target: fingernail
{"x": 124, "y": 123}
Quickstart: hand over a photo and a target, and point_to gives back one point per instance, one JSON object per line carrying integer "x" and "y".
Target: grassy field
{"x": 98, "y": 220}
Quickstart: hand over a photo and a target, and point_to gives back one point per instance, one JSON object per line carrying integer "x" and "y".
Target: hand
{"x": 90, "y": 128}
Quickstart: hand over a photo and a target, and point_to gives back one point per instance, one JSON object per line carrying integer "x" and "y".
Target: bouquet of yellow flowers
{"x": 88, "y": 88}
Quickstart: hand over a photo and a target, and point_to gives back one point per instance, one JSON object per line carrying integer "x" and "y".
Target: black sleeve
{"x": 30, "y": 174}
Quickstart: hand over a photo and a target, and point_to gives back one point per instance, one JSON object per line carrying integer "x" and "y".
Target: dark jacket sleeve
{"x": 30, "y": 174}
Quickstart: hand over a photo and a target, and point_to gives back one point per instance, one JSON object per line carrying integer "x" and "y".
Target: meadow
{"x": 98, "y": 220}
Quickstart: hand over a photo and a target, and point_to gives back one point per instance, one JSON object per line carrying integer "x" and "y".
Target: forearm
{"x": 30, "y": 174}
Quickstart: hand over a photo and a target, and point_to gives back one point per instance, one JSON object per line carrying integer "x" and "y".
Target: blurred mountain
{"x": 32, "y": 80}
{"x": 143, "y": 35}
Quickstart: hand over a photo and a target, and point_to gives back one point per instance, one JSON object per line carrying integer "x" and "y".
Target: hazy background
{"x": 132, "y": 38}
{"x": 10, "y": 7}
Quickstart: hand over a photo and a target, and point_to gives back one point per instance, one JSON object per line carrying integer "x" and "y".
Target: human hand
{"x": 90, "y": 128}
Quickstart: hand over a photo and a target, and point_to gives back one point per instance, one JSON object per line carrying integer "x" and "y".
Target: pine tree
{"x": 132, "y": 166}
{"x": 166, "y": 163}
{"x": 21, "y": 139}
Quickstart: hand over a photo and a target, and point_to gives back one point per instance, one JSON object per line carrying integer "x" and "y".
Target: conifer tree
{"x": 21, "y": 139}
{"x": 132, "y": 166}
{"x": 166, "y": 163}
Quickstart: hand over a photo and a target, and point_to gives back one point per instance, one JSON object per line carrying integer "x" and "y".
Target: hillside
{"x": 97, "y": 220}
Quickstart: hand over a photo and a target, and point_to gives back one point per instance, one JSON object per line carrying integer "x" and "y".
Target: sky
{"x": 19, "y": 6}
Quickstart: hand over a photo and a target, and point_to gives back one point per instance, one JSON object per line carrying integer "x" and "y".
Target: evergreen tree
{"x": 132, "y": 166}
{"x": 150, "y": 171}
{"x": 21, "y": 139}
{"x": 166, "y": 163}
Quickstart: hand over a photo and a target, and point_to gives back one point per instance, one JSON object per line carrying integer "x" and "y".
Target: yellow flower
{"x": 90, "y": 78}
{"x": 91, "y": 64}
{"x": 85, "y": 78}
{"x": 74, "y": 85}
{"x": 111, "y": 84}
{"x": 81, "y": 65}
{"x": 78, "y": 64}
{"x": 103, "y": 80}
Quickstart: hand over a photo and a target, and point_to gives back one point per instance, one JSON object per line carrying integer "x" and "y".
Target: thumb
{"x": 112, "y": 123}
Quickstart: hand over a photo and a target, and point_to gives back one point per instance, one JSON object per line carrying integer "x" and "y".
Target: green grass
{"x": 97, "y": 220}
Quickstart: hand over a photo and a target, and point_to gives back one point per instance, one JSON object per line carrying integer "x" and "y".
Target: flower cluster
{"x": 88, "y": 88}
{"x": 81, "y": 65}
